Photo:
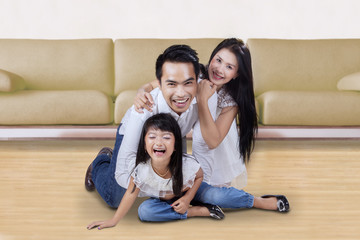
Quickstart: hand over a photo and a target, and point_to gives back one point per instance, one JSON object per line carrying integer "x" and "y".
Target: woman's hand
{"x": 205, "y": 90}
{"x": 181, "y": 205}
{"x": 143, "y": 100}
{"x": 102, "y": 224}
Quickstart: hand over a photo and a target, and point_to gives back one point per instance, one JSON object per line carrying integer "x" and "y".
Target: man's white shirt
{"x": 131, "y": 127}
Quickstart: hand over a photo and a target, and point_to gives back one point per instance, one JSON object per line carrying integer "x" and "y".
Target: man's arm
{"x": 129, "y": 146}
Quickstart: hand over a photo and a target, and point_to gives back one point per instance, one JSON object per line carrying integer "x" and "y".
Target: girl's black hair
{"x": 164, "y": 122}
{"x": 242, "y": 91}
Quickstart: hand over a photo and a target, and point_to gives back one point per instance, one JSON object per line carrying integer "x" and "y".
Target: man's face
{"x": 178, "y": 85}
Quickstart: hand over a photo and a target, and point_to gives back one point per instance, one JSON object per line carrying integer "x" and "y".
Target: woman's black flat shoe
{"x": 282, "y": 202}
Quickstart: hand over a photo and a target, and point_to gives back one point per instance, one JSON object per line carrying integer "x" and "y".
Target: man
{"x": 177, "y": 71}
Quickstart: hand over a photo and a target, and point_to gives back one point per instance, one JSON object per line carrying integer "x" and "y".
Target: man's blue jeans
{"x": 103, "y": 175}
{"x": 156, "y": 210}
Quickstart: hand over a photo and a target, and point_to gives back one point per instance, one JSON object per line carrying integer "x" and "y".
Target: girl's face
{"x": 159, "y": 145}
{"x": 223, "y": 67}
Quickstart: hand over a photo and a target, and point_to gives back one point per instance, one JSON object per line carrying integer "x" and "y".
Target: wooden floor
{"x": 43, "y": 196}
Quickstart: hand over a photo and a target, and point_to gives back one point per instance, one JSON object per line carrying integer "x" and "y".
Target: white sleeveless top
{"x": 152, "y": 185}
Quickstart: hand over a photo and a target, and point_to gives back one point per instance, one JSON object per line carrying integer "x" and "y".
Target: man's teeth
{"x": 181, "y": 101}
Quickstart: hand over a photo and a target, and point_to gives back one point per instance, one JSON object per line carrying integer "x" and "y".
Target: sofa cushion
{"x": 350, "y": 82}
{"x": 10, "y": 82}
{"x": 122, "y": 103}
{"x": 302, "y": 65}
{"x": 55, "y": 107}
{"x": 317, "y": 108}
{"x": 80, "y": 64}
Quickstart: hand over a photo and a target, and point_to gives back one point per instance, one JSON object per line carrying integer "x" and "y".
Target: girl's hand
{"x": 143, "y": 100}
{"x": 205, "y": 90}
{"x": 181, "y": 205}
{"x": 102, "y": 224}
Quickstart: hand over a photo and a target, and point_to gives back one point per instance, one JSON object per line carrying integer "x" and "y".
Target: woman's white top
{"x": 152, "y": 185}
{"x": 222, "y": 166}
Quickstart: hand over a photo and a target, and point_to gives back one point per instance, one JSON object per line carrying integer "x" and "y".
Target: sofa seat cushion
{"x": 311, "y": 108}
{"x": 55, "y": 107}
{"x": 122, "y": 103}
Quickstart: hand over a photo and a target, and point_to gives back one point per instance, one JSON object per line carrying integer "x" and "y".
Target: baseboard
{"x": 109, "y": 132}
{"x": 305, "y": 132}
{"x": 57, "y": 132}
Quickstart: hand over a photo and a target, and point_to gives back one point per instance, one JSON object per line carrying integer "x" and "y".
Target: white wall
{"x": 58, "y": 19}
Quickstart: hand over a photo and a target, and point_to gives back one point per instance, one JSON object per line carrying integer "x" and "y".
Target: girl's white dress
{"x": 222, "y": 166}
{"x": 152, "y": 185}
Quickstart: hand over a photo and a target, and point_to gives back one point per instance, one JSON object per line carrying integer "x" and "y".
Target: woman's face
{"x": 159, "y": 145}
{"x": 223, "y": 67}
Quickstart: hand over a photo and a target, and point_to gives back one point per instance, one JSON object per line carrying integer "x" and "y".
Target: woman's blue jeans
{"x": 156, "y": 210}
{"x": 103, "y": 175}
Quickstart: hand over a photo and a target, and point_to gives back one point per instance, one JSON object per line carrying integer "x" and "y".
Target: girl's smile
{"x": 160, "y": 146}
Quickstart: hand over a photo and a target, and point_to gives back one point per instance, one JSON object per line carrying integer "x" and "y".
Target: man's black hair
{"x": 177, "y": 54}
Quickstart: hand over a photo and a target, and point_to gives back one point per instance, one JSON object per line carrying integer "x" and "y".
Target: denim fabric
{"x": 156, "y": 210}
{"x": 224, "y": 197}
{"x": 103, "y": 175}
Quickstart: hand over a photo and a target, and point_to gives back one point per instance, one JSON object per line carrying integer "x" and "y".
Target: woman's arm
{"x": 212, "y": 131}
{"x": 125, "y": 205}
{"x": 143, "y": 98}
{"x": 182, "y": 204}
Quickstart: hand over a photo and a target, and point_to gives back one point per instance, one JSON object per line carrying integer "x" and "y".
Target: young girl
{"x": 220, "y": 148}
{"x": 162, "y": 172}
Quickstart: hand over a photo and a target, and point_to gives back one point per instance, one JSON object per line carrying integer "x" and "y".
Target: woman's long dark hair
{"x": 241, "y": 89}
{"x": 164, "y": 122}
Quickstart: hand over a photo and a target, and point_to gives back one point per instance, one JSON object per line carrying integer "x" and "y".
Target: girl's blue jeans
{"x": 153, "y": 209}
{"x": 156, "y": 210}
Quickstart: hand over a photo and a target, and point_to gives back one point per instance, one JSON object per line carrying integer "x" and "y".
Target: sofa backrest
{"x": 61, "y": 64}
{"x": 309, "y": 65}
{"x": 135, "y": 58}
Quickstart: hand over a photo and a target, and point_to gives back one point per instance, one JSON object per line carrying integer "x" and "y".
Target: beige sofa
{"x": 94, "y": 81}
{"x": 307, "y": 82}
{"x": 64, "y": 81}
